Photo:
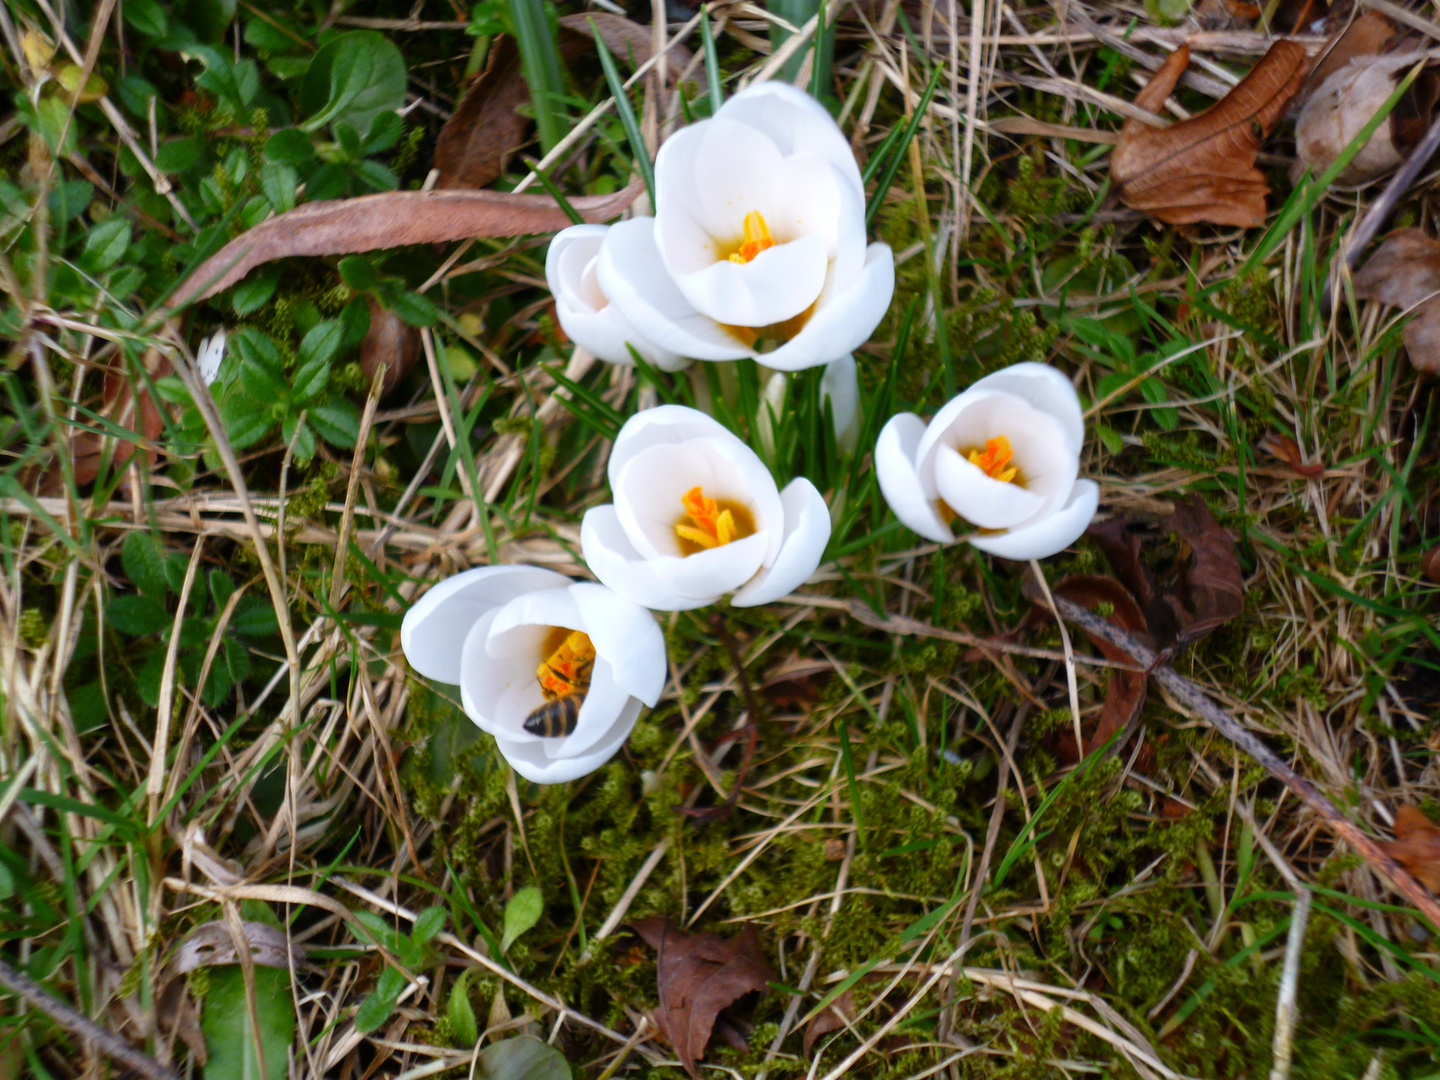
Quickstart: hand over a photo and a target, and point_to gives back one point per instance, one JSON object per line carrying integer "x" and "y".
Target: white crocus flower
{"x": 697, "y": 515}
{"x": 518, "y": 639}
{"x": 1003, "y": 457}
{"x": 209, "y": 356}
{"x": 758, "y": 240}
{"x": 586, "y": 316}
{"x": 840, "y": 385}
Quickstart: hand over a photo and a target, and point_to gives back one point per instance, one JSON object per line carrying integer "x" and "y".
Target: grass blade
{"x": 627, "y": 113}
{"x": 540, "y": 60}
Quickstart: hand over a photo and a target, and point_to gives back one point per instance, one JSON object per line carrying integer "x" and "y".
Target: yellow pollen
{"x": 995, "y": 458}
{"x": 757, "y": 238}
{"x": 711, "y": 523}
{"x": 567, "y": 669}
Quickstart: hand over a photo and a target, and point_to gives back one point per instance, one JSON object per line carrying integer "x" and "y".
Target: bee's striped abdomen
{"x": 555, "y": 718}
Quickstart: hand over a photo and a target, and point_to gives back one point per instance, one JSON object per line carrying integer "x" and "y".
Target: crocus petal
{"x": 530, "y": 760}
{"x": 209, "y": 356}
{"x": 433, "y": 631}
{"x": 776, "y": 285}
{"x": 633, "y": 276}
{"x": 662, "y": 424}
{"x": 708, "y": 176}
{"x": 840, "y": 385}
{"x": 627, "y": 636}
{"x": 614, "y": 560}
{"x": 1050, "y": 534}
{"x": 1047, "y": 390}
{"x": 843, "y": 322}
{"x": 497, "y": 693}
{"x": 901, "y": 484}
{"x": 980, "y": 500}
{"x": 650, "y": 487}
{"x": 795, "y": 122}
{"x": 586, "y": 316}
{"x": 708, "y": 575}
{"x": 807, "y": 531}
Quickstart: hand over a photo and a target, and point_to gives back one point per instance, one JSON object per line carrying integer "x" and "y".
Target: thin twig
{"x": 19, "y": 983}
{"x": 1195, "y": 699}
{"x": 751, "y": 730}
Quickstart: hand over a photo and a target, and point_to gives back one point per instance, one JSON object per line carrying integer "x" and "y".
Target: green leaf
{"x": 337, "y": 422}
{"x": 540, "y": 63}
{"x": 289, "y": 147}
{"x": 416, "y": 309}
{"x": 137, "y": 615}
{"x": 144, "y": 563}
{"x": 354, "y": 78}
{"x": 246, "y": 421}
{"x": 429, "y": 923}
{"x": 380, "y": 930}
{"x": 7, "y": 890}
{"x": 106, "y": 243}
{"x": 254, "y": 347}
{"x": 254, "y": 618}
{"x": 522, "y": 1058}
{"x": 311, "y": 378}
{"x": 376, "y": 1009}
{"x": 322, "y": 342}
{"x": 230, "y": 1040}
{"x": 298, "y": 435}
{"x": 221, "y": 587}
{"x": 278, "y": 181}
{"x": 180, "y": 155}
{"x": 254, "y": 293}
{"x": 626, "y": 112}
{"x": 147, "y": 17}
{"x": 358, "y": 272}
{"x": 521, "y": 913}
{"x": 458, "y": 1009}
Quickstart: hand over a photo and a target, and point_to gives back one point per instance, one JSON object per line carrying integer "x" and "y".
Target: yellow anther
{"x": 757, "y": 238}
{"x": 994, "y": 460}
{"x": 707, "y": 524}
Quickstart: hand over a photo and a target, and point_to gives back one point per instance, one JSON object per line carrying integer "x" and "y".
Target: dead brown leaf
{"x": 1202, "y": 590}
{"x": 387, "y": 220}
{"x": 390, "y": 342}
{"x": 1416, "y": 846}
{"x": 1405, "y": 272}
{"x": 1212, "y": 587}
{"x": 1288, "y": 451}
{"x": 1125, "y": 694}
{"x": 488, "y": 124}
{"x": 1430, "y": 564}
{"x": 1363, "y": 36}
{"x": 699, "y": 975}
{"x": 1203, "y": 169}
{"x": 840, "y": 1013}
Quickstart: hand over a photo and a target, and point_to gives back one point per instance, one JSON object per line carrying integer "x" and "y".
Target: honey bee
{"x": 564, "y": 676}
{"x": 556, "y": 718}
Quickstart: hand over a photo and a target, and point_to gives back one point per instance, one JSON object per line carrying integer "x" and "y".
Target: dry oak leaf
{"x": 1416, "y": 846}
{"x": 1364, "y": 36}
{"x": 1203, "y": 169}
{"x": 840, "y": 1014}
{"x": 1212, "y": 586}
{"x": 387, "y": 220}
{"x": 390, "y": 342}
{"x": 488, "y": 126}
{"x": 700, "y": 974}
{"x": 1405, "y": 272}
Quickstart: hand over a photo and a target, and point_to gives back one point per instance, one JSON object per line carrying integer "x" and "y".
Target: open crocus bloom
{"x": 697, "y": 515}
{"x": 758, "y": 240}
{"x": 1003, "y": 456}
{"x": 519, "y": 638}
{"x": 590, "y": 320}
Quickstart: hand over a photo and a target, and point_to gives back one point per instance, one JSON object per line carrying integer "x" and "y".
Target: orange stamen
{"x": 567, "y": 669}
{"x": 710, "y": 527}
{"x": 994, "y": 460}
{"x": 757, "y": 238}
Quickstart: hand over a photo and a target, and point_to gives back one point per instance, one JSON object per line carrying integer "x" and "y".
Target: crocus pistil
{"x": 710, "y": 523}
{"x": 994, "y": 460}
{"x": 757, "y": 238}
